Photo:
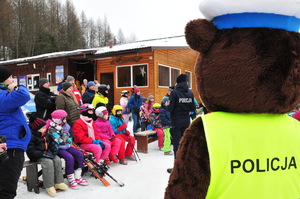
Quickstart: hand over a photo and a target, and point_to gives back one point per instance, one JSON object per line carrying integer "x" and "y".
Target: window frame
{"x": 131, "y": 75}
{"x": 170, "y": 75}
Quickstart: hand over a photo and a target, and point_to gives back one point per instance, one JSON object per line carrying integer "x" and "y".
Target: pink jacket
{"x": 104, "y": 128}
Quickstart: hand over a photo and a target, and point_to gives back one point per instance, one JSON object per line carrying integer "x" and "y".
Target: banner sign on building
{"x": 59, "y": 74}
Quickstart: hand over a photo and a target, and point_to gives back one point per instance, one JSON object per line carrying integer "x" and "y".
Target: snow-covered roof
{"x": 169, "y": 42}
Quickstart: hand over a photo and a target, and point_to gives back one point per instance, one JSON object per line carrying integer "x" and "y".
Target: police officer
{"x": 181, "y": 104}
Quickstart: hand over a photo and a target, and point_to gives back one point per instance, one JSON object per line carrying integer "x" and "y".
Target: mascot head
{"x": 249, "y": 59}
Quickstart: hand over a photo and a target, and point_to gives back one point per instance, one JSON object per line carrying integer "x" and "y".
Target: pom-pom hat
{"x": 36, "y": 123}
{"x": 277, "y": 14}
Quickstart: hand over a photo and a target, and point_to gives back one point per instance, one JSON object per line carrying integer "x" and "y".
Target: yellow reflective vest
{"x": 253, "y": 156}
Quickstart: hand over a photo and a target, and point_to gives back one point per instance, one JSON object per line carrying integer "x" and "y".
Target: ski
{"x": 99, "y": 171}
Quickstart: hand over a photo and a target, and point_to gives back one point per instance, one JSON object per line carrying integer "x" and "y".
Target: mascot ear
{"x": 200, "y": 34}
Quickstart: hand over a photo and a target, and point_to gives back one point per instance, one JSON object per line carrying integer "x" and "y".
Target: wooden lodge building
{"x": 152, "y": 65}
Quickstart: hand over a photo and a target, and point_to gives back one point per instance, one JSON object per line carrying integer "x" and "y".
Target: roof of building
{"x": 168, "y": 42}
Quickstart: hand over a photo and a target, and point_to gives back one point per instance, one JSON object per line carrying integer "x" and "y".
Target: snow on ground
{"x": 143, "y": 180}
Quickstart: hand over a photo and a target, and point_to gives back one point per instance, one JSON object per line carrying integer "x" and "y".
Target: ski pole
{"x": 134, "y": 151}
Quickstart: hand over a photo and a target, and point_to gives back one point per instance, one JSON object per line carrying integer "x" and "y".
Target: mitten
{"x": 48, "y": 154}
{"x": 112, "y": 137}
{"x": 122, "y": 127}
{"x": 64, "y": 147}
{"x": 96, "y": 142}
{"x": 102, "y": 145}
{"x": 127, "y": 132}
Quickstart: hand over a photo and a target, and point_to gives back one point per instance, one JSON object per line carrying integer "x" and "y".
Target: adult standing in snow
{"x": 44, "y": 100}
{"x": 123, "y": 103}
{"x": 14, "y": 127}
{"x": 67, "y": 101}
{"x": 89, "y": 94}
{"x": 181, "y": 104}
{"x": 135, "y": 103}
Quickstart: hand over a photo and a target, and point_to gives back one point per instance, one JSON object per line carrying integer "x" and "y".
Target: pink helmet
{"x": 85, "y": 107}
{"x": 58, "y": 114}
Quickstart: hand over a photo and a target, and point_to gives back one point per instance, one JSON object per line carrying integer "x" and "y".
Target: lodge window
{"x": 128, "y": 76}
{"x": 167, "y": 75}
{"x": 189, "y": 78}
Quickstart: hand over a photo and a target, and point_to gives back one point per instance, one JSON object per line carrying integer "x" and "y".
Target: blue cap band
{"x": 257, "y": 20}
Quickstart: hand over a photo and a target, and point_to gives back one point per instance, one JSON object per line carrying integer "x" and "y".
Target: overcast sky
{"x": 146, "y": 19}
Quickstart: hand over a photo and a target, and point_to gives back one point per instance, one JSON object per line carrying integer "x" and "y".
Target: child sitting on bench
{"x": 41, "y": 149}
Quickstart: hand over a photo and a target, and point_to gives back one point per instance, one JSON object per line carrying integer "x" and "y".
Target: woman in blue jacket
{"x": 14, "y": 127}
{"x": 135, "y": 103}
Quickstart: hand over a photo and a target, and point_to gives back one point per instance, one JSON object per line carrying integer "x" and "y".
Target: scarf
{"x": 89, "y": 122}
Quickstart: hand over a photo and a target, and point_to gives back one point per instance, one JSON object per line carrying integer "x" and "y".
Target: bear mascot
{"x": 248, "y": 76}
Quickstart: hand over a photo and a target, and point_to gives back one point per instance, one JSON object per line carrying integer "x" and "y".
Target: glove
{"x": 122, "y": 127}
{"x": 112, "y": 137}
{"x": 64, "y": 147}
{"x": 127, "y": 133}
{"x": 102, "y": 145}
{"x": 136, "y": 109}
{"x": 48, "y": 154}
{"x": 96, "y": 142}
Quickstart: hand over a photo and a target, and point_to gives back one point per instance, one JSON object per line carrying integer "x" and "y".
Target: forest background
{"x": 34, "y": 27}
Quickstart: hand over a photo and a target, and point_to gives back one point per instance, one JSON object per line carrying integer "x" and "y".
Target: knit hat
{"x": 36, "y": 123}
{"x": 70, "y": 78}
{"x": 164, "y": 100}
{"x": 43, "y": 81}
{"x": 101, "y": 111}
{"x": 135, "y": 90}
{"x": 58, "y": 114}
{"x": 144, "y": 99}
{"x": 91, "y": 83}
{"x": 4, "y": 73}
{"x": 150, "y": 96}
{"x": 66, "y": 85}
{"x": 181, "y": 78}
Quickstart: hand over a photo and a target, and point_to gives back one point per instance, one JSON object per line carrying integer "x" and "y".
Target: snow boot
{"x": 107, "y": 161}
{"x": 61, "y": 186}
{"x": 51, "y": 191}
{"x": 72, "y": 182}
{"x": 168, "y": 153}
{"x": 123, "y": 161}
{"x": 132, "y": 158}
{"x": 113, "y": 158}
{"x": 79, "y": 179}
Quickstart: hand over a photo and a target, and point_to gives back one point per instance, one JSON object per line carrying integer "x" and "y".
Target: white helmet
{"x": 124, "y": 92}
{"x": 99, "y": 111}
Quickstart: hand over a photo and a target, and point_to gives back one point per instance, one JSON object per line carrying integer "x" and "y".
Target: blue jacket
{"x": 115, "y": 123}
{"x": 13, "y": 124}
{"x": 135, "y": 101}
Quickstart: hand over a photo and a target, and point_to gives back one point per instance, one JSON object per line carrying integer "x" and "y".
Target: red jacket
{"x": 80, "y": 131}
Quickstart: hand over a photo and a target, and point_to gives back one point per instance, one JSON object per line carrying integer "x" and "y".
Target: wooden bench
{"x": 32, "y": 176}
{"x": 143, "y": 139}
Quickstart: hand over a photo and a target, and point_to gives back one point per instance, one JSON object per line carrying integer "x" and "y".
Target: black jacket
{"x": 44, "y": 103}
{"x": 88, "y": 96}
{"x": 165, "y": 117}
{"x": 181, "y": 102}
{"x": 39, "y": 144}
